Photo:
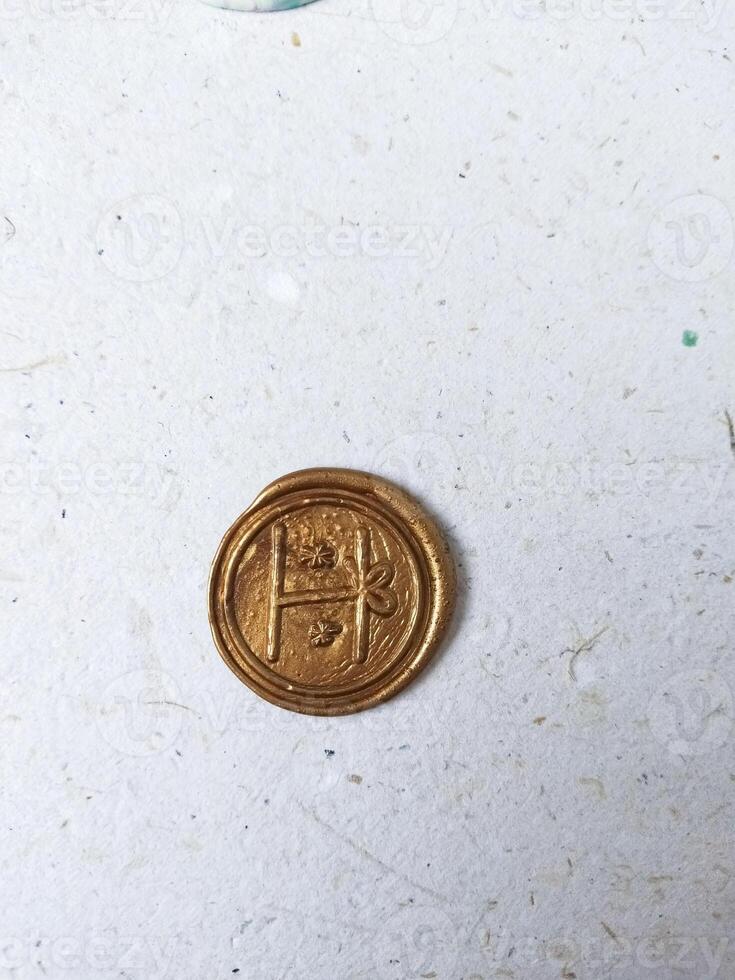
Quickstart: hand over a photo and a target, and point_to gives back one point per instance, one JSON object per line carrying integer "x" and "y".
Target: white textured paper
{"x": 485, "y": 249}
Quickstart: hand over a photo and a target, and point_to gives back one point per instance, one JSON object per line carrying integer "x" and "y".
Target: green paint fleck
{"x": 690, "y": 338}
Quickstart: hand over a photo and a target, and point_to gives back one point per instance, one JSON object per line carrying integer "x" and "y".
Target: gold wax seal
{"x": 331, "y": 592}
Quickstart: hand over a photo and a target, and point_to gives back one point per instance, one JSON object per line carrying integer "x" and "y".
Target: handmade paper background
{"x": 484, "y": 249}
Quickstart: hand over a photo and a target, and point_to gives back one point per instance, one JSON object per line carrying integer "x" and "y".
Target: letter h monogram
{"x": 367, "y": 590}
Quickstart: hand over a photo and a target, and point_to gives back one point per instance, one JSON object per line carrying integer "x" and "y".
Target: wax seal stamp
{"x": 331, "y": 592}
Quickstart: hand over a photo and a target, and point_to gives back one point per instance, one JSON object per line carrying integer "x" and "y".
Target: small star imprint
{"x": 319, "y": 556}
{"x": 324, "y": 633}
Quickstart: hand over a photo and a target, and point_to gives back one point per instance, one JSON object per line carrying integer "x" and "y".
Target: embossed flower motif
{"x": 380, "y": 599}
{"x": 324, "y": 633}
{"x": 319, "y": 556}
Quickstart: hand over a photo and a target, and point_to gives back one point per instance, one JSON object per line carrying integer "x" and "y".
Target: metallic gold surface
{"x": 331, "y": 592}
